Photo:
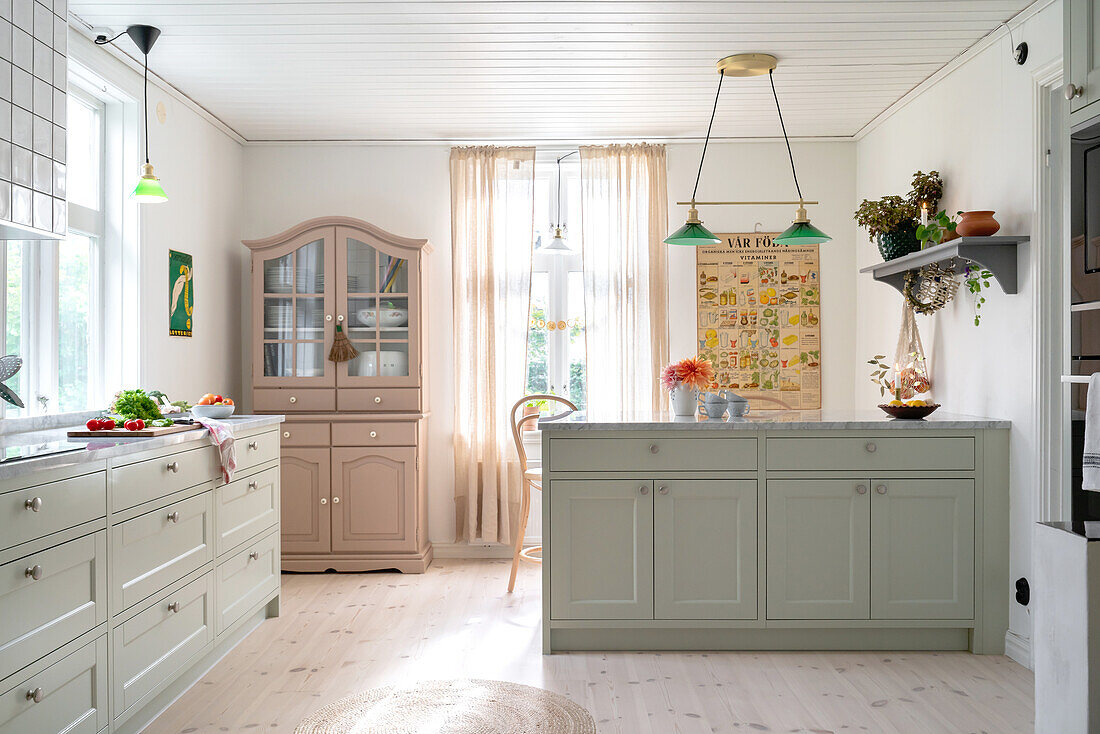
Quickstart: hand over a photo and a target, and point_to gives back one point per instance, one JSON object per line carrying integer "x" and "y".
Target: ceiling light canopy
{"x": 693, "y": 233}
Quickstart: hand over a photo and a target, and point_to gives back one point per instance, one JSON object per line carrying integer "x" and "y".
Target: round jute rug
{"x": 451, "y": 707}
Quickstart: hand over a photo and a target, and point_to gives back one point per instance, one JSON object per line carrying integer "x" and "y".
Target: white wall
{"x": 976, "y": 126}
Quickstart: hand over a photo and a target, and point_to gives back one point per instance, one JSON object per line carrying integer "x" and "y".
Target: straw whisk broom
{"x": 342, "y": 349}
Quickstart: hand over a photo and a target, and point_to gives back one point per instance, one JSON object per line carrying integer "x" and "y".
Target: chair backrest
{"x": 517, "y": 425}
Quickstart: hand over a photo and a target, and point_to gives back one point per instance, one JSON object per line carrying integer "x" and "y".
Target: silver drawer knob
{"x": 871, "y": 447}
{"x": 654, "y": 448}
{"x": 33, "y": 505}
{"x": 643, "y": 489}
{"x": 861, "y": 489}
{"x": 174, "y": 607}
{"x": 252, "y": 445}
{"x": 374, "y": 434}
{"x": 252, "y": 486}
{"x": 293, "y": 399}
{"x": 36, "y": 695}
{"x": 173, "y": 467}
{"x": 33, "y": 572}
{"x": 881, "y": 489}
{"x": 378, "y": 398}
{"x": 335, "y": 500}
{"x": 1072, "y": 91}
{"x": 663, "y": 490}
{"x": 324, "y": 500}
{"x": 286, "y": 434}
{"x": 254, "y": 556}
{"x": 173, "y": 517}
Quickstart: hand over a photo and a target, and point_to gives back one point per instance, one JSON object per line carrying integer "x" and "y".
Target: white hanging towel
{"x": 1090, "y": 463}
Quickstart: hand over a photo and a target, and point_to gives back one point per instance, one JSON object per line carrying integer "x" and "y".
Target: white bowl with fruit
{"x": 213, "y": 406}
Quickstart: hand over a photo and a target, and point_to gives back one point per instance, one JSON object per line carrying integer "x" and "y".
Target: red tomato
{"x": 134, "y": 425}
{"x": 217, "y": 398}
{"x": 93, "y": 424}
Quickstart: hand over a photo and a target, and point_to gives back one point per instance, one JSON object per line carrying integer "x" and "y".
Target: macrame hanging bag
{"x": 912, "y": 377}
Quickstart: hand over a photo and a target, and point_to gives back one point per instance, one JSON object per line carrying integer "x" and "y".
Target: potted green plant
{"x": 926, "y": 190}
{"x": 533, "y": 407}
{"x": 939, "y": 229}
{"x": 892, "y": 221}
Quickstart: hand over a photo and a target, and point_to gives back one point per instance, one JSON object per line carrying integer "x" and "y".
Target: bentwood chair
{"x": 532, "y": 478}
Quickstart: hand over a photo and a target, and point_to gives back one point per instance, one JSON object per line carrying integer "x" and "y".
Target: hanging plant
{"x": 977, "y": 279}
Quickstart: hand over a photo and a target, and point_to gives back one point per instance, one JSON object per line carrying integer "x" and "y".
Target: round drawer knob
{"x": 335, "y": 500}
{"x": 293, "y": 399}
{"x": 173, "y": 467}
{"x": 324, "y": 500}
{"x": 252, "y": 445}
{"x": 654, "y": 448}
{"x": 328, "y": 317}
{"x": 252, "y": 486}
{"x": 378, "y": 398}
{"x": 643, "y": 490}
{"x": 36, "y": 695}
{"x": 174, "y": 607}
{"x": 1073, "y": 91}
{"x": 33, "y": 572}
{"x": 861, "y": 489}
{"x": 286, "y": 434}
{"x": 254, "y": 556}
{"x": 33, "y": 505}
{"x": 663, "y": 490}
{"x": 871, "y": 447}
{"x": 881, "y": 489}
{"x": 173, "y": 517}
{"x": 374, "y": 434}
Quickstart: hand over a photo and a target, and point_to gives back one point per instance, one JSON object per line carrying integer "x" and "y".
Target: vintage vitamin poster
{"x": 759, "y": 319}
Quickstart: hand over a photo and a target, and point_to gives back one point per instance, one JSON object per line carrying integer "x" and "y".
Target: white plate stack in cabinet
{"x": 353, "y": 445}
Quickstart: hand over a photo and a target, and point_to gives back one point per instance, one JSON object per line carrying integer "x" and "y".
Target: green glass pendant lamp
{"x": 148, "y": 189}
{"x": 801, "y": 231}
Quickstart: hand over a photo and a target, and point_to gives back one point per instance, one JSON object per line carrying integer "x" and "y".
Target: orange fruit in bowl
{"x": 206, "y": 400}
{"x": 228, "y": 401}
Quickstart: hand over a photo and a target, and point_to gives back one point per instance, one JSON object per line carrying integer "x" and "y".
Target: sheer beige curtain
{"x": 624, "y": 220}
{"x": 492, "y": 226}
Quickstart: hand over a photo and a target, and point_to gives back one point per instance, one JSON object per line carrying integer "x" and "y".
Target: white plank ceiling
{"x": 570, "y": 70}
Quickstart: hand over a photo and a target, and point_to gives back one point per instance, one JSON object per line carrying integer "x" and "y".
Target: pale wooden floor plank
{"x": 343, "y": 633}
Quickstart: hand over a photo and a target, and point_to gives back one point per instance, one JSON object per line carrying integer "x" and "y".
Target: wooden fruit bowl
{"x": 906, "y": 412}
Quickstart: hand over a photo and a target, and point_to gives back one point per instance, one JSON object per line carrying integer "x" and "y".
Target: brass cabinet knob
{"x": 33, "y": 505}
{"x": 174, "y": 607}
{"x": 33, "y": 572}
{"x": 172, "y": 466}
{"x": 881, "y": 489}
{"x": 36, "y": 695}
{"x": 871, "y": 447}
{"x": 1072, "y": 91}
{"x": 861, "y": 489}
{"x": 173, "y": 517}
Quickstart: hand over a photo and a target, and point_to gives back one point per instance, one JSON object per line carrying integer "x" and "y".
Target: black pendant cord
{"x": 103, "y": 40}
{"x": 574, "y": 152}
{"x": 783, "y": 127}
{"x": 707, "y": 140}
{"x": 146, "y": 108}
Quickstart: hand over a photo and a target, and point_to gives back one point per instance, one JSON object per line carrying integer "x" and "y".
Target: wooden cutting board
{"x": 123, "y": 433}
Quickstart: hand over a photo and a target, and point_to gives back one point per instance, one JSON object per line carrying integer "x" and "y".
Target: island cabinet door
{"x": 704, "y": 544}
{"x": 305, "y": 492}
{"x": 922, "y": 549}
{"x": 818, "y": 549}
{"x": 601, "y": 546}
{"x": 374, "y": 499}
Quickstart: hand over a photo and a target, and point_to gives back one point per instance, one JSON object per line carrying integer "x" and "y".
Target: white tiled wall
{"x": 33, "y": 45}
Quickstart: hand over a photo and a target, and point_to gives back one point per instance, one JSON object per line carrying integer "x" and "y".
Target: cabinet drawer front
{"x": 872, "y": 453}
{"x": 67, "y": 600}
{"x": 374, "y": 434}
{"x": 246, "y": 578}
{"x": 60, "y": 505}
{"x": 395, "y": 398}
{"x": 154, "y": 644}
{"x": 246, "y": 507}
{"x": 257, "y": 449}
{"x": 148, "y": 480}
{"x": 160, "y": 547}
{"x": 289, "y": 400}
{"x": 304, "y": 434}
{"x": 656, "y": 454}
{"x": 73, "y": 696}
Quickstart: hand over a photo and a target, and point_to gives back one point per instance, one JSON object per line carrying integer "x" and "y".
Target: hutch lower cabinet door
{"x": 305, "y": 483}
{"x": 818, "y": 549}
{"x": 374, "y": 499}
{"x": 704, "y": 543}
{"x": 602, "y": 533}
{"x": 922, "y": 549}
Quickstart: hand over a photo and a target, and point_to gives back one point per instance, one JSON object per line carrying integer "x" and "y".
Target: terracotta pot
{"x": 530, "y": 410}
{"x": 977, "y": 224}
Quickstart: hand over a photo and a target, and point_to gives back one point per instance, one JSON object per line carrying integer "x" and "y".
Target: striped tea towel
{"x": 1090, "y": 463}
{"x": 222, "y": 436}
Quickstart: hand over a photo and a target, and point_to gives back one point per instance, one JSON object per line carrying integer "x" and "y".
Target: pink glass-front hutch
{"x": 353, "y": 484}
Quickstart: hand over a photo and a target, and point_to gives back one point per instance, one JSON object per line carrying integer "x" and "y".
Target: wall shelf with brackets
{"x": 997, "y": 254}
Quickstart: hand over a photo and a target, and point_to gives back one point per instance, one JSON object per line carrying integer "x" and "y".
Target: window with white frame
{"x": 556, "y": 361}
{"x": 53, "y": 304}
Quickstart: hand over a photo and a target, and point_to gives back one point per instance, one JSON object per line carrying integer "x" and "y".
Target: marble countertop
{"x": 86, "y": 450}
{"x": 770, "y": 420}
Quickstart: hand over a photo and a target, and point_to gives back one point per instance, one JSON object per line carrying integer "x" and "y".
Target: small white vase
{"x": 684, "y": 400}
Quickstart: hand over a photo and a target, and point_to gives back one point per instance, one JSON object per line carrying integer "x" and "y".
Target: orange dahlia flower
{"x": 695, "y": 372}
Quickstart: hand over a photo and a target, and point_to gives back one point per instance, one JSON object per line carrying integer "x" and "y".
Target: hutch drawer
{"x": 153, "y": 478}
{"x": 160, "y": 547}
{"x": 406, "y": 399}
{"x": 257, "y": 449}
{"x": 50, "y": 598}
{"x": 374, "y": 434}
{"x": 871, "y": 453}
{"x": 245, "y": 508}
{"x": 35, "y": 512}
{"x": 305, "y": 434}
{"x": 276, "y": 400}
{"x": 69, "y": 697}
{"x": 246, "y": 578}
{"x": 653, "y": 454}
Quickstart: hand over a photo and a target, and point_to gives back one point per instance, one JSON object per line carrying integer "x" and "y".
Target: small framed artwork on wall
{"x": 181, "y": 293}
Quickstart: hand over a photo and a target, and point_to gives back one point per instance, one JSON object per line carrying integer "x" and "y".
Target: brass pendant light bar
{"x": 736, "y": 203}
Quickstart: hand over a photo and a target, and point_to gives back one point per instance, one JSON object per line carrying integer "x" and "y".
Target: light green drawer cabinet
{"x": 818, "y": 549}
{"x": 154, "y": 550}
{"x": 257, "y": 449}
{"x": 653, "y": 454}
{"x": 878, "y": 453}
{"x": 157, "y": 642}
{"x": 35, "y": 512}
{"x": 244, "y": 508}
{"x": 922, "y": 549}
{"x": 1082, "y": 53}
{"x": 69, "y": 697}
{"x": 246, "y": 578}
{"x": 50, "y": 598}
{"x": 602, "y": 533}
{"x": 147, "y": 480}
{"x": 704, "y": 539}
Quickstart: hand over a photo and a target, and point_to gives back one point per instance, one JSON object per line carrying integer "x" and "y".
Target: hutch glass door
{"x": 296, "y": 313}
{"x": 379, "y": 308}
